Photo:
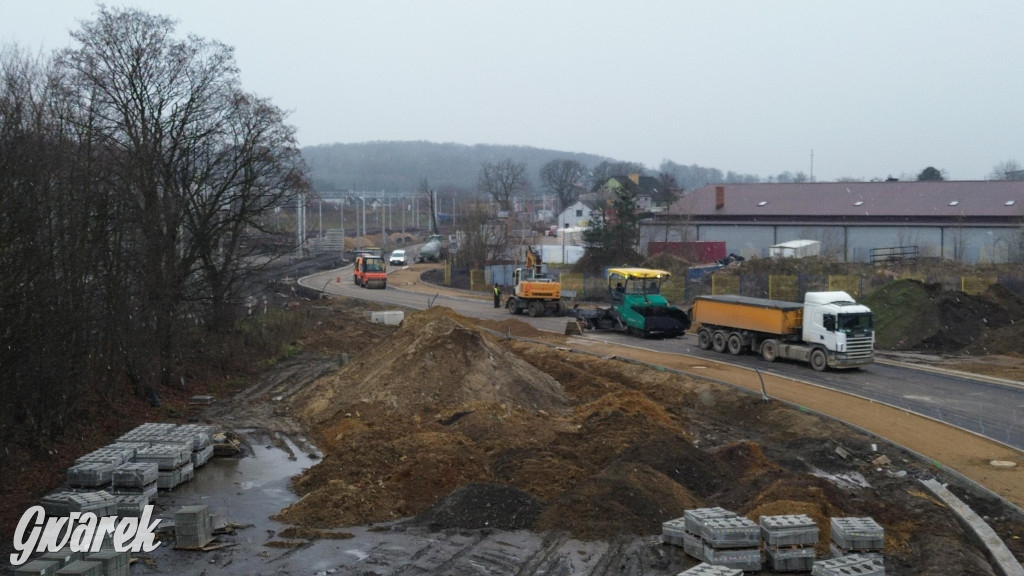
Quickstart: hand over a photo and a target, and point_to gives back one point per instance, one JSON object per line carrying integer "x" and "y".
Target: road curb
{"x": 1001, "y": 555}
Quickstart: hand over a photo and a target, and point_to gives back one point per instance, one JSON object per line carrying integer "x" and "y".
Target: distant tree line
{"x": 132, "y": 168}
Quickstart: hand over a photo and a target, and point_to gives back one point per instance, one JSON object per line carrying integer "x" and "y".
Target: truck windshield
{"x": 373, "y": 266}
{"x": 854, "y": 323}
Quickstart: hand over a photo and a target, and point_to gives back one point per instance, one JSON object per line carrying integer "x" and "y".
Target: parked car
{"x": 398, "y": 258}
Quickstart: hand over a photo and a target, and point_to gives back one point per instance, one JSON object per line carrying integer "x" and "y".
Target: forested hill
{"x": 400, "y": 166}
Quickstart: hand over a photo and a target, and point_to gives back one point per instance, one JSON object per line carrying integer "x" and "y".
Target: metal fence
{"x": 594, "y": 287}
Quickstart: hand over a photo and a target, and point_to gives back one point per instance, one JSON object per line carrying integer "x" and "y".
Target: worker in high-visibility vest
{"x": 497, "y": 296}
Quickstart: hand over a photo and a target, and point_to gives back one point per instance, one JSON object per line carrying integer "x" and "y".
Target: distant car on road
{"x": 398, "y": 258}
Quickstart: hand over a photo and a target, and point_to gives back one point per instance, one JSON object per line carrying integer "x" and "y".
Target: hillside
{"x": 403, "y": 165}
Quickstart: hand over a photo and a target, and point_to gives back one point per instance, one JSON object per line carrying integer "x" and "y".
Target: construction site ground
{"x": 436, "y": 447}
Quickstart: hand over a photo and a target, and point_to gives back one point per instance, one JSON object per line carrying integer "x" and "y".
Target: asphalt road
{"x": 989, "y": 409}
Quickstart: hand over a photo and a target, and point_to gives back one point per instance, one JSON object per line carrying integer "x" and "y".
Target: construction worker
{"x": 497, "y": 296}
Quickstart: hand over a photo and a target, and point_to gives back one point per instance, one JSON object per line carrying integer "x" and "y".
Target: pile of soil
{"x": 476, "y": 506}
{"x": 466, "y": 430}
{"x": 911, "y": 315}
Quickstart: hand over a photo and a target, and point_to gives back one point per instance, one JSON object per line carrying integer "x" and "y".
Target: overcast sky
{"x": 874, "y": 87}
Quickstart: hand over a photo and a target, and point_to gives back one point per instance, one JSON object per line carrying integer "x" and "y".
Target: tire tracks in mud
{"x": 418, "y": 552}
{"x": 257, "y": 413}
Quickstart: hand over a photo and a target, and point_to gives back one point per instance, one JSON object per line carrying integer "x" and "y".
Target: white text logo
{"x": 84, "y": 532}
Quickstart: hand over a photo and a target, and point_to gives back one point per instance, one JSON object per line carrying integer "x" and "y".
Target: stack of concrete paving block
{"x": 38, "y": 567}
{"x": 132, "y": 447}
{"x": 90, "y": 474}
{"x": 789, "y": 542}
{"x": 81, "y": 568}
{"x": 99, "y": 502}
{"x": 734, "y": 542}
{"x": 174, "y": 463}
{"x": 136, "y": 475}
{"x": 132, "y": 505}
{"x": 202, "y": 456}
{"x": 193, "y": 527}
{"x": 113, "y": 454}
{"x": 136, "y": 479}
{"x": 851, "y": 565}
{"x": 63, "y": 557}
{"x": 711, "y": 570}
{"x": 686, "y": 531}
{"x": 862, "y": 536}
{"x": 113, "y": 563}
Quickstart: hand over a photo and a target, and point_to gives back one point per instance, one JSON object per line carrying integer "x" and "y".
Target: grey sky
{"x": 874, "y": 87}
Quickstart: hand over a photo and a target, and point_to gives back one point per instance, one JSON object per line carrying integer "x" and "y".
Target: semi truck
{"x": 828, "y": 330}
{"x": 533, "y": 291}
{"x": 637, "y": 306}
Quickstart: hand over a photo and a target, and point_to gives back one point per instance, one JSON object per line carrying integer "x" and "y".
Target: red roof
{"x": 858, "y": 201}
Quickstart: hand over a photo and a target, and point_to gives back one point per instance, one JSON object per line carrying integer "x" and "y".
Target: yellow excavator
{"x": 535, "y": 293}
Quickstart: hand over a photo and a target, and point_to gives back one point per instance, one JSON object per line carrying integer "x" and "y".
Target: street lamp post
{"x": 359, "y": 239}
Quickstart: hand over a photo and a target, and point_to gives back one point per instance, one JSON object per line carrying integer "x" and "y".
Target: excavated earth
{"x": 439, "y": 426}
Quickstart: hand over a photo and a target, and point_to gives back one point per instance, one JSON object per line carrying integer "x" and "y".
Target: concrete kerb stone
{"x": 1002, "y": 556}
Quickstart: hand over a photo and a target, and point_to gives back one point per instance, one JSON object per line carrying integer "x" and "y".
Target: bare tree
{"x": 563, "y": 178}
{"x": 191, "y": 158}
{"x": 502, "y": 181}
{"x": 668, "y": 189}
{"x": 1005, "y": 170}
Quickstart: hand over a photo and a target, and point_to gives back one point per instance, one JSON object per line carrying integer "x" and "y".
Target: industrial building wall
{"x": 972, "y": 245}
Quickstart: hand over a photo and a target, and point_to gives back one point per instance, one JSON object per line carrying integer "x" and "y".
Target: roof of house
{"x": 644, "y": 186}
{"x": 857, "y": 201}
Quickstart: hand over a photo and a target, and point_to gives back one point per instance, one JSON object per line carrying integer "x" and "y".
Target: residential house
{"x": 646, "y": 189}
{"x": 577, "y": 215}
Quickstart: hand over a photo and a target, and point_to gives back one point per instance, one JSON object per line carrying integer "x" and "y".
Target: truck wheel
{"x": 535, "y": 309}
{"x": 819, "y": 361}
{"x": 719, "y": 342}
{"x": 562, "y": 308}
{"x": 704, "y": 339}
{"x": 510, "y": 305}
{"x": 735, "y": 344}
{"x": 769, "y": 350}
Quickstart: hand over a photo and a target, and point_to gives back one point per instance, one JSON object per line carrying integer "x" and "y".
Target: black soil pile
{"x": 911, "y": 315}
{"x": 476, "y": 506}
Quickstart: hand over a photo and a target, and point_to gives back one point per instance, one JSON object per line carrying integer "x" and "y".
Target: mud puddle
{"x": 247, "y": 491}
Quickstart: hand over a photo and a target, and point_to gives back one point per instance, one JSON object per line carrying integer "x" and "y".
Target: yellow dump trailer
{"x": 827, "y": 330}
{"x": 755, "y": 314}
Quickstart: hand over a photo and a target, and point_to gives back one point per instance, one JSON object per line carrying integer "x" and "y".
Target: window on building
{"x": 579, "y": 213}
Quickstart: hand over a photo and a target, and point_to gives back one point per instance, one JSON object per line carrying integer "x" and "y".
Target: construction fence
{"x": 678, "y": 290}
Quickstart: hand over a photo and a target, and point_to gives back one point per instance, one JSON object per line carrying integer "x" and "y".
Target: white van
{"x": 398, "y": 258}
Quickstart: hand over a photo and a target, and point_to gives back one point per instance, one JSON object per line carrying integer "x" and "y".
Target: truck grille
{"x": 857, "y": 348}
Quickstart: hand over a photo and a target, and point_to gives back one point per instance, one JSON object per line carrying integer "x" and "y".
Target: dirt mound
{"x": 434, "y": 362}
{"x": 624, "y": 498}
{"x": 911, "y": 315}
{"x": 636, "y": 448}
{"x": 677, "y": 457}
{"x": 484, "y": 506}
